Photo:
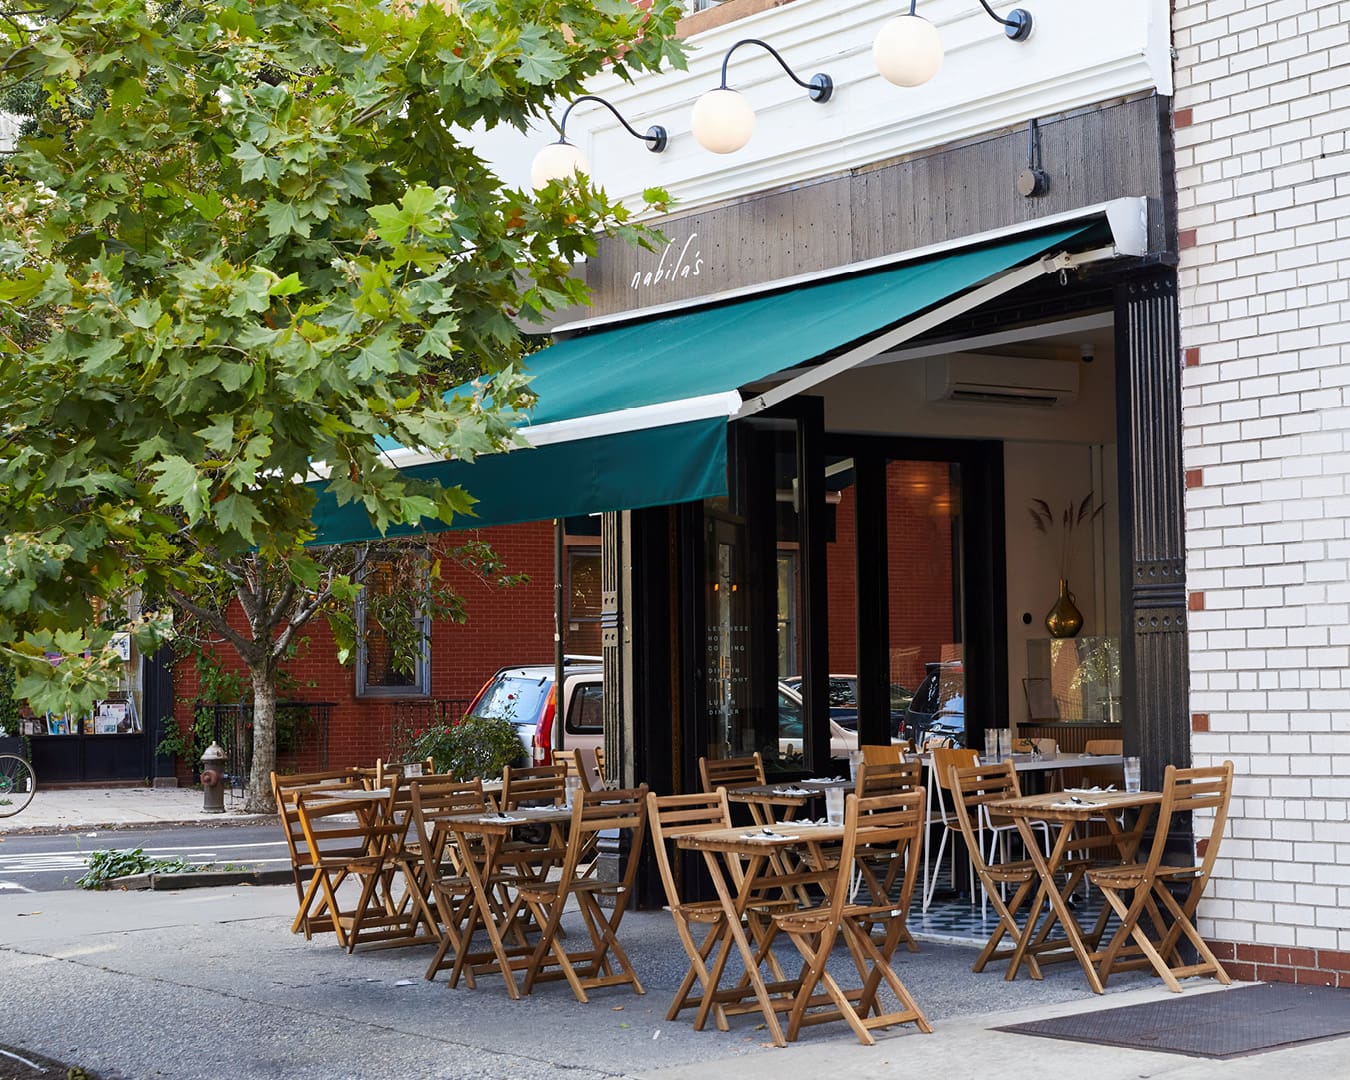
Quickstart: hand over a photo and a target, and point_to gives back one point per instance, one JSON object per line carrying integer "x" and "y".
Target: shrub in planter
{"x": 475, "y": 746}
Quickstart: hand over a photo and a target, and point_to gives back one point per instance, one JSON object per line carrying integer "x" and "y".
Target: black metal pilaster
{"x": 1154, "y": 655}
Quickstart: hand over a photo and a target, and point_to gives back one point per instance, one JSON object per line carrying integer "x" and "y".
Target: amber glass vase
{"x": 1064, "y": 620}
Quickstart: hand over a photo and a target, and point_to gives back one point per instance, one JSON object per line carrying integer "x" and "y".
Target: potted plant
{"x": 474, "y": 746}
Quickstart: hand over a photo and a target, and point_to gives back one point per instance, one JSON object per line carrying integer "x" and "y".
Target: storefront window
{"x": 583, "y": 601}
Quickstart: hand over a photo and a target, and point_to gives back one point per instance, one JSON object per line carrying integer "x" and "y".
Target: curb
{"x": 55, "y": 829}
{"x": 198, "y": 879}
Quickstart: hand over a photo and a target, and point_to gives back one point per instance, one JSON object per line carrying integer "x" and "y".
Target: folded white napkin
{"x": 825, "y": 780}
{"x": 762, "y": 835}
{"x": 1079, "y": 805}
{"x": 507, "y": 819}
{"x": 1088, "y": 790}
{"x": 792, "y": 791}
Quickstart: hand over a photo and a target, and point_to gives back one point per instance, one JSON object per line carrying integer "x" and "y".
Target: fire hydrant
{"x": 213, "y": 779}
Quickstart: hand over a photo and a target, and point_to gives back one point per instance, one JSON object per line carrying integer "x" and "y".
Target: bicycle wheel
{"x": 17, "y": 784}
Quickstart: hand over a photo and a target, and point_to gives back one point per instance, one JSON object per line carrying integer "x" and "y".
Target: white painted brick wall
{"x": 1263, "y": 181}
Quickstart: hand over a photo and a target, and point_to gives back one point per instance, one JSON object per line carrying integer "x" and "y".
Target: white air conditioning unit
{"x": 980, "y": 379}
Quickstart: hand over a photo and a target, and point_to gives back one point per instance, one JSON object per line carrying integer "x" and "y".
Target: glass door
{"x": 924, "y": 592}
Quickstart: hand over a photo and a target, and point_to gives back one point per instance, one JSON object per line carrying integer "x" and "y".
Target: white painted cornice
{"x": 1080, "y": 53}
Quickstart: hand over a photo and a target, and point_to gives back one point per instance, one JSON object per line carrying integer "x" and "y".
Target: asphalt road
{"x": 52, "y": 862}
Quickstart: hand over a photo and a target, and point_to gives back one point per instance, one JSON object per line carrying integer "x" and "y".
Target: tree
{"x": 246, "y": 246}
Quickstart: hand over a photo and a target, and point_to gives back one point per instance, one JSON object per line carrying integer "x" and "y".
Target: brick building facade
{"x": 1263, "y": 183}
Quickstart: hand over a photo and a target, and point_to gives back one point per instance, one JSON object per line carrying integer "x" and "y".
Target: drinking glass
{"x": 834, "y": 805}
{"x": 1131, "y": 774}
{"x": 570, "y": 787}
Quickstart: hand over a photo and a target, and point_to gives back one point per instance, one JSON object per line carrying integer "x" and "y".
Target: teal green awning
{"x": 635, "y": 415}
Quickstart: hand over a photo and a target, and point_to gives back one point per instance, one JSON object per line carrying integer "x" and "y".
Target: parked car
{"x": 939, "y": 706}
{"x": 792, "y": 728}
{"x": 843, "y": 695}
{"x": 527, "y": 697}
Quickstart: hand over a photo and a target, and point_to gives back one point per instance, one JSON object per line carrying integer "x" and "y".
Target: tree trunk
{"x": 260, "y": 799}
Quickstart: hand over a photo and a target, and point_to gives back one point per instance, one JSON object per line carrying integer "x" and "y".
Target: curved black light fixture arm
{"x": 820, "y": 87}
{"x": 656, "y": 138}
{"x": 1017, "y": 25}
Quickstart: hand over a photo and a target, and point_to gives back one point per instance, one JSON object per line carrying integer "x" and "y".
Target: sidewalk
{"x": 184, "y": 985}
{"x": 63, "y": 809}
{"x": 101, "y": 974}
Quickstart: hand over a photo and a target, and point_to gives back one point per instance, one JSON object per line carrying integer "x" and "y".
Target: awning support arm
{"x": 943, "y": 313}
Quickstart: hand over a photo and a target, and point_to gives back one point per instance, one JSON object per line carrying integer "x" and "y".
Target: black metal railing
{"x": 302, "y": 734}
{"x": 422, "y": 713}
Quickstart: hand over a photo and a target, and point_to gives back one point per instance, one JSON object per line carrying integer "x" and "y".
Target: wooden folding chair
{"x": 588, "y": 968}
{"x": 543, "y": 785}
{"x": 972, "y": 788}
{"x": 600, "y": 780}
{"x": 731, "y": 772}
{"x": 886, "y": 778}
{"x": 1148, "y": 884}
{"x": 887, "y": 820}
{"x": 346, "y": 836}
{"x": 891, "y": 754}
{"x": 446, "y": 888}
{"x": 572, "y": 759}
{"x": 670, "y": 817}
{"x": 285, "y": 790}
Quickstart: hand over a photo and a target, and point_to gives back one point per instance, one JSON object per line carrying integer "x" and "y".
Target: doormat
{"x": 1220, "y": 1024}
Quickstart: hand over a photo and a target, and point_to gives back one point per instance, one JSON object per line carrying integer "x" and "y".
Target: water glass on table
{"x": 1131, "y": 774}
{"x": 834, "y": 805}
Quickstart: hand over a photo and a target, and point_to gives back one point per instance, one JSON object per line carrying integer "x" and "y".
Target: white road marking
{"x": 12, "y": 886}
{"x": 53, "y": 862}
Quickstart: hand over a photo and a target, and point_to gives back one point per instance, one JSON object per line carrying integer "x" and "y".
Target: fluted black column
{"x": 1155, "y": 676}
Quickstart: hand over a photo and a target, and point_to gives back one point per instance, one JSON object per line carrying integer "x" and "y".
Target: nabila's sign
{"x": 672, "y": 266}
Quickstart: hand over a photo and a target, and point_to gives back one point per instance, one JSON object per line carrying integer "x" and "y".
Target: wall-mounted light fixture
{"x": 562, "y": 160}
{"x": 908, "y": 49}
{"x": 723, "y": 120}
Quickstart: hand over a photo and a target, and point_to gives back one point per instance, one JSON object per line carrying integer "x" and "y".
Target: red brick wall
{"x": 1281, "y": 963}
{"x": 506, "y": 626}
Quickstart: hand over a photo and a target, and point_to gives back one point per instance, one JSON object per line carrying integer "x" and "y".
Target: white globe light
{"x": 722, "y": 121}
{"x": 557, "y": 161}
{"x": 908, "y": 50}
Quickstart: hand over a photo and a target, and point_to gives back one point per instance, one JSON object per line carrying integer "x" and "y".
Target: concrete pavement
{"x": 211, "y": 981}
{"x": 59, "y": 809}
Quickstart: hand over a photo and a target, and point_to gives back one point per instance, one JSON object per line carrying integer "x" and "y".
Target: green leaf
{"x": 219, "y": 434}
{"x": 179, "y": 485}
{"x": 237, "y": 513}
{"x": 210, "y": 205}
{"x": 287, "y": 286}
{"x": 253, "y": 165}
{"x": 283, "y": 219}
{"x": 541, "y": 64}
